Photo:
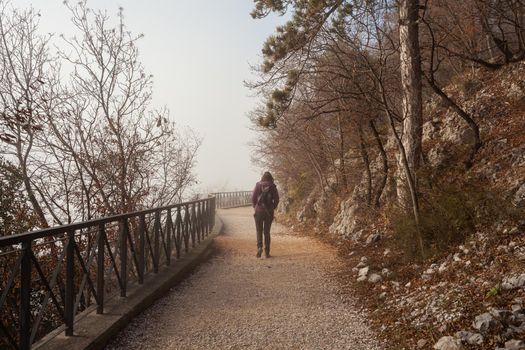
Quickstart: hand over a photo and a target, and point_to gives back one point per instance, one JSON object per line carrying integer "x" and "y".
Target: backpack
{"x": 265, "y": 198}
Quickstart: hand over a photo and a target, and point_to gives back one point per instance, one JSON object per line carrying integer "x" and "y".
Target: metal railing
{"x": 233, "y": 199}
{"x": 50, "y": 276}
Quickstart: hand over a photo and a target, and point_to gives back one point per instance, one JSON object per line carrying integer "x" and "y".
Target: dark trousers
{"x": 263, "y": 223}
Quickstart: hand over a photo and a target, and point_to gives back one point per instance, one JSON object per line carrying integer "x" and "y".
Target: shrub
{"x": 450, "y": 212}
{"x": 494, "y": 291}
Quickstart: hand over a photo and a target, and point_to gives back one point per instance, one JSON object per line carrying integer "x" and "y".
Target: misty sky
{"x": 199, "y": 53}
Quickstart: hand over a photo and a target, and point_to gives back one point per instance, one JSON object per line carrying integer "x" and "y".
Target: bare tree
{"x": 124, "y": 151}
{"x": 93, "y": 145}
{"x": 410, "y": 69}
{"x": 24, "y": 91}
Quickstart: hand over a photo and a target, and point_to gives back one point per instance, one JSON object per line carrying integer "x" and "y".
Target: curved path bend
{"x": 236, "y": 301}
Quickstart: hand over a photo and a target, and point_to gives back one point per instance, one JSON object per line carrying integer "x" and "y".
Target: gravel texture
{"x": 236, "y": 301}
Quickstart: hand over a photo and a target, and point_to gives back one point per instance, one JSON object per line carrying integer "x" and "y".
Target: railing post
{"x": 202, "y": 219}
{"x": 100, "y": 267}
{"x": 206, "y": 216}
{"x": 210, "y": 209}
{"x": 156, "y": 243}
{"x": 25, "y": 297}
{"x": 70, "y": 284}
{"x": 198, "y": 222}
{"x": 142, "y": 247}
{"x": 213, "y": 209}
{"x": 178, "y": 233}
{"x": 124, "y": 256}
{"x": 192, "y": 225}
{"x": 185, "y": 228}
{"x": 169, "y": 226}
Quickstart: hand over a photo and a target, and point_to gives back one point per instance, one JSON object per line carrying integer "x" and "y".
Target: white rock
{"x": 375, "y": 278}
{"x": 521, "y": 280}
{"x": 361, "y": 265}
{"x": 458, "y": 134}
{"x": 442, "y": 268}
{"x": 484, "y": 322}
{"x": 357, "y": 235}
{"x": 448, "y": 343}
{"x": 361, "y": 279}
{"x": 469, "y": 337}
{"x": 363, "y": 271}
{"x": 515, "y": 344}
{"x": 437, "y": 155}
{"x": 513, "y": 282}
{"x": 346, "y": 221}
{"x": 515, "y": 92}
{"x": 386, "y": 272}
{"x": 421, "y": 343}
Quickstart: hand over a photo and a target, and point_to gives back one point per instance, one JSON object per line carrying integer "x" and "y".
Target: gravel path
{"x": 236, "y": 301}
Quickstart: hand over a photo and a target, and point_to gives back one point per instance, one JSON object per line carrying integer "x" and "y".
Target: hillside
{"x": 476, "y": 282}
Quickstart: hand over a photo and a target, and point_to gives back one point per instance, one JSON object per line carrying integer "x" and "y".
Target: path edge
{"x": 93, "y": 331}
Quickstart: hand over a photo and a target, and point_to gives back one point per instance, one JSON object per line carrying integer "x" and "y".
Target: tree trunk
{"x": 410, "y": 66}
{"x": 22, "y": 156}
{"x": 342, "y": 150}
{"x": 414, "y": 197}
{"x": 384, "y": 170}
{"x": 403, "y": 163}
{"x": 366, "y": 162}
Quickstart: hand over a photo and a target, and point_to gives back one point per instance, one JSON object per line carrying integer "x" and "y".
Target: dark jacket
{"x": 257, "y": 191}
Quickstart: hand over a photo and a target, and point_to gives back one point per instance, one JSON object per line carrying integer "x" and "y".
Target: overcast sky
{"x": 199, "y": 53}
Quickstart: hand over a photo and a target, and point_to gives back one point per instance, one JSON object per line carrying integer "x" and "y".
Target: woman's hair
{"x": 267, "y": 177}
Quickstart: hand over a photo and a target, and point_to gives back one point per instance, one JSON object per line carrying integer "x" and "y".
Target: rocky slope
{"x": 472, "y": 294}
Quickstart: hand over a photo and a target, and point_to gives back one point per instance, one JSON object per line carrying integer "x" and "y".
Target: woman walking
{"x": 264, "y": 200}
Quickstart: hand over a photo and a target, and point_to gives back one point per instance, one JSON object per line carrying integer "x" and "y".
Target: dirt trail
{"x": 236, "y": 301}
